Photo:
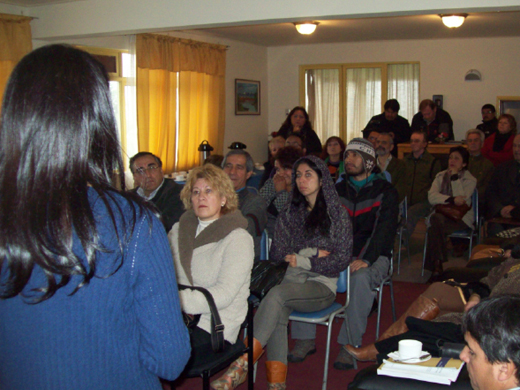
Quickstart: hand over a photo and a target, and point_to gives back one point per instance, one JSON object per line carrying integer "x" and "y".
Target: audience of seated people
{"x": 238, "y": 165}
{"x": 332, "y": 154}
{"x": 489, "y": 120}
{"x": 433, "y": 121}
{"x": 277, "y": 189}
{"x": 498, "y": 147}
{"x": 371, "y": 202}
{"x": 390, "y": 122}
{"x": 313, "y": 235}
{"x": 154, "y": 187}
{"x": 298, "y": 122}
{"x": 212, "y": 249}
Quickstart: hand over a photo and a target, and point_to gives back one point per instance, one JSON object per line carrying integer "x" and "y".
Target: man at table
{"x": 239, "y": 165}
{"x": 433, "y": 121}
{"x": 388, "y": 163}
{"x": 492, "y": 339}
{"x": 151, "y": 185}
{"x": 489, "y": 123}
{"x": 421, "y": 169}
{"x": 503, "y": 192}
{"x": 390, "y": 122}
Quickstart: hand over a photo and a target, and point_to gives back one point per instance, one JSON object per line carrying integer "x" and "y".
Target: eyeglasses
{"x": 142, "y": 170}
{"x": 487, "y": 112}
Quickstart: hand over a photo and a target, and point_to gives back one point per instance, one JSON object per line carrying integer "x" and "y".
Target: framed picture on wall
{"x": 509, "y": 105}
{"x": 438, "y": 100}
{"x": 247, "y": 97}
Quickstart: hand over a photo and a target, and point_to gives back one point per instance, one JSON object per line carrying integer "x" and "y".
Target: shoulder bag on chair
{"x": 217, "y": 328}
{"x": 452, "y": 211}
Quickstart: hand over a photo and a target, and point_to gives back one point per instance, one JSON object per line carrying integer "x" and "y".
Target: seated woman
{"x": 453, "y": 186}
{"x": 212, "y": 249}
{"x": 275, "y": 145}
{"x": 298, "y": 122}
{"x": 445, "y": 305}
{"x": 277, "y": 189}
{"x": 333, "y": 156}
{"x": 314, "y": 235}
{"x": 498, "y": 147}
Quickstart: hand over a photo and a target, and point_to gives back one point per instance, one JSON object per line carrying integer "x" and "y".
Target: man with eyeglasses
{"x": 489, "y": 120}
{"x": 151, "y": 185}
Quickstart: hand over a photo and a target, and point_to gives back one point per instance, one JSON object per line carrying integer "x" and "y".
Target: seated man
{"x": 151, "y": 185}
{"x": 433, "y": 121}
{"x": 387, "y": 162}
{"x": 503, "y": 192}
{"x": 372, "y": 204}
{"x": 479, "y": 166}
{"x": 372, "y": 137}
{"x": 489, "y": 123}
{"x": 492, "y": 344}
{"x": 239, "y": 166}
{"x": 390, "y": 122}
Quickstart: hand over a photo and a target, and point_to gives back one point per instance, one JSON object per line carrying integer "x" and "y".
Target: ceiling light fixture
{"x": 306, "y": 28}
{"x": 453, "y": 21}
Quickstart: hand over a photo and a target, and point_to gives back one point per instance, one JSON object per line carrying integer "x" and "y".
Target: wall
{"x": 444, "y": 64}
{"x": 243, "y": 61}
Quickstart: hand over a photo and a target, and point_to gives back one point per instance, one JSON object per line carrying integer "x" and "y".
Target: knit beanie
{"x": 366, "y": 151}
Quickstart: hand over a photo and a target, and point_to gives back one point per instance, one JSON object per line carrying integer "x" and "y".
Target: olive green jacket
{"x": 482, "y": 169}
{"x": 419, "y": 175}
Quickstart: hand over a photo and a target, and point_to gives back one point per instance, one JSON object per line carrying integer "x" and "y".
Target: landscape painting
{"x": 247, "y": 97}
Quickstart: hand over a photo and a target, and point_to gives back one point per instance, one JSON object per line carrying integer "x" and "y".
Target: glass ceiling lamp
{"x": 306, "y": 28}
{"x": 453, "y": 21}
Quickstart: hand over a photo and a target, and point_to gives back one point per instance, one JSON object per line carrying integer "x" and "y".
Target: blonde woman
{"x": 212, "y": 249}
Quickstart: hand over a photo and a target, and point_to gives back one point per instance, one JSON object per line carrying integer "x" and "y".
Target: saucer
{"x": 395, "y": 355}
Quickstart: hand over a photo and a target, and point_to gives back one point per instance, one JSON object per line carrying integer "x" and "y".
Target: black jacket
{"x": 374, "y": 213}
{"x": 399, "y": 126}
{"x": 442, "y": 123}
{"x": 504, "y": 190}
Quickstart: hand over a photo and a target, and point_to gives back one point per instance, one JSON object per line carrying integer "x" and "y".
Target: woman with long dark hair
{"x": 298, "y": 122}
{"x": 453, "y": 186}
{"x": 88, "y": 296}
{"x": 313, "y": 234}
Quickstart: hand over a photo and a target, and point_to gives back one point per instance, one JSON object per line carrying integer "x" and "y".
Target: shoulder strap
{"x": 217, "y": 327}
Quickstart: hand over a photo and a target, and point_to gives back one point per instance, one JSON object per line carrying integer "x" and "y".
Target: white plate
{"x": 413, "y": 361}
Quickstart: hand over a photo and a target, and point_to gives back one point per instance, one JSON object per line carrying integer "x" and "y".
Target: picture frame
{"x": 509, "y": 105}
{"x": 247, "y": 97}
{"x": 438, "y": 100}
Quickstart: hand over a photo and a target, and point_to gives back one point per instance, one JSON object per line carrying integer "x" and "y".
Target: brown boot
{"x": 236, "y": 373}
{"x": 276, "y": 375}
{"x": 363, "y": 354}
{"x": 422, "y": 308}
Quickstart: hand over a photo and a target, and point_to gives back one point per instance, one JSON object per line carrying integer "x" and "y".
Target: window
{"x": 341, "y": 99}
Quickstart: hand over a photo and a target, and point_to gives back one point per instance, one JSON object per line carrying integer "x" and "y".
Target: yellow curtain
{"x": 200, "y": 71}
{"x": 15, "y": 42}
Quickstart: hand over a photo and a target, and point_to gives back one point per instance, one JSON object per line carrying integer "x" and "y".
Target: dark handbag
{"x": 217, "y": 328}
{"x": 467, "y": 289}
{"x": 265, "y": 275}
{"x": 452, "y": 211}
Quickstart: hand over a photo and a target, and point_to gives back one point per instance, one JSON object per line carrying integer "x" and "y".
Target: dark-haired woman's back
{"x": 114, "y": 333}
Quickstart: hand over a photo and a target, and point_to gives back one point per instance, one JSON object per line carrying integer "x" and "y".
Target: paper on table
{"x": 436, "y": 370}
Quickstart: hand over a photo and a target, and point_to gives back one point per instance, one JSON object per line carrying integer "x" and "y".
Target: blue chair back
{"x": 342, "y": 281}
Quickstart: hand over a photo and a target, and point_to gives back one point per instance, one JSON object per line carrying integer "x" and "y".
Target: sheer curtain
{"x": 323, "y": 101}
{"x": 403, "y": 85}
{"x": 15, "y": 42}
{"x": 363, "y": 98}
{"x": 180, "y": 98}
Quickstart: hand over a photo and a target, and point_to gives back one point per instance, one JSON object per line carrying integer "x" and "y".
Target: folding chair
{"x": 402, "y": 232}
{"x": 326, "y": 317}
{"x": 387, "y": 281}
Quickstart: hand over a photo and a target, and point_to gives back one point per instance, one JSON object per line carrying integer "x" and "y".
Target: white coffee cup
{"x": 409, "y": 349}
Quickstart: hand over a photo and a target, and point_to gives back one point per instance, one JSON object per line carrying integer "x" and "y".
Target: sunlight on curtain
{"x": 363, "y": 98}
{"x": 403, "y": 85}
{"x": 15, "y": 42}
{"x": 130, "y": 143}
{"x": 200, "y": 68}
{"x": 323, "y": 101}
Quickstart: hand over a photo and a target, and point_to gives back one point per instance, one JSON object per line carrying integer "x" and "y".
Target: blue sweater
{"x": 121, "y": 331}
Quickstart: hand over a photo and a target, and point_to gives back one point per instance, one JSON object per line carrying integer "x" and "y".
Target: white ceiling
{"x": 33, "y": 3}
{"x": 490, "y": 24}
